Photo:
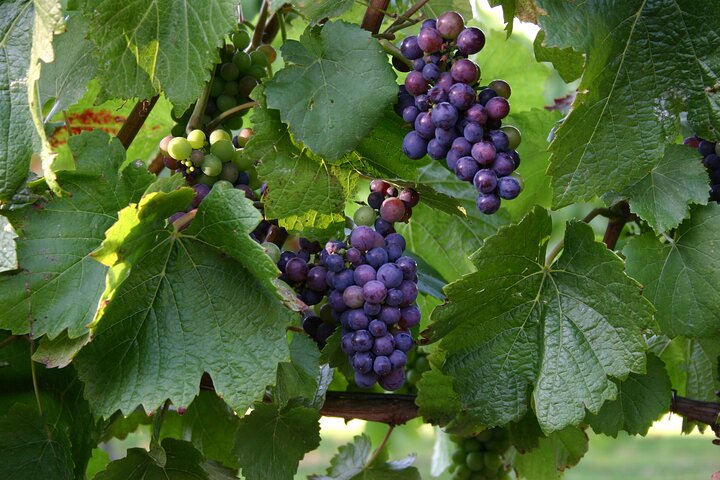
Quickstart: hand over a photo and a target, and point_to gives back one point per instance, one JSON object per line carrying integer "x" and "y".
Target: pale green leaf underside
{"x": 682, "y": 277}
{"x": 562, "y": 331}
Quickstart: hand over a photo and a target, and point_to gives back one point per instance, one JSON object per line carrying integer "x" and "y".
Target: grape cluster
{"x": 212, "y": 162}
{"x": 417, "y": 365}
{"x": 481, "y": 457}
{"x": 302, "y": 270}
{"x": 452, "y": 120}
{"x": 385, "y": 206}
{"x": 710, "y": 152}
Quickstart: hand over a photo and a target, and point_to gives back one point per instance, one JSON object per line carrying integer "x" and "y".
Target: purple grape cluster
{"x": 385, "y": 206}
{"x": 710, "y": 152}
{"x": 373, "y": 288}
{"x": 303, "y": 272}
{"x": 454, "y": 119}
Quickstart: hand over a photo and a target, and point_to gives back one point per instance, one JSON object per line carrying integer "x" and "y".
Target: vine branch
{"x": 260, "y": 25}
{"x": 374, "y": 15}
{"x": 229, "y": 113}
{"x": 135, "y": 121}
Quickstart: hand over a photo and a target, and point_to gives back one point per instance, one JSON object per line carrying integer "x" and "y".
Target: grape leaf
{"x": 525, "y": 10}
{"x": 334, "y": 88}
{"x": 8, "y": 256}
{"x": 316, "y": 10}
{"x": 351, "y": 463}
{"x": 167, "y": 46}
{"x": 661, "y": 198}
{"x": 182, "y": 462}
{"x": 682, "y": 277}
{"x": 299, "y": 377}
{"x": 66, "y": 78}
{"x": 32, "y": 449}
{"x": 510, "y": 325}
{"x": 16, "y": 129}
{"x": 58, "y": 281}
{"x": 271, "y": 442}
{"x": 438, "y": 403}
{"x": 59, "y": 351}
{"x": 302, "y": 193}
{"x": 212, "y": 425}
{"x": 633, "y": 89}
{"x": 642, "y": 399}
{"x": 568, "y": 63}
{"x": 554, "y": 454}
{"x": 178, "y": 304}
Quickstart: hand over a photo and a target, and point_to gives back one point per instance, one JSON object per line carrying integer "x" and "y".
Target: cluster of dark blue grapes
{"x": 481, "y": 457}
{"x": 710, "y": 152}
{"x": 303, "y": 271}
{"x": 455, "y": 119}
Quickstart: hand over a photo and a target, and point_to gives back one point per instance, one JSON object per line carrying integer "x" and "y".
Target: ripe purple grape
{"x": 365, "y": 380}
{"x": 422, "y": 103}
{"x": 424, "y": 126}
{"x": 385, "y": 345}
{"x": 410, "y": 198}
{"x": 451, "y": 160}
{"x": 436, "y": 150}
{"x": 362, "y": 238}
{"x": 390, "y": 275}
{"x": 382, "y": 365}
{"x": 430, "y": 40}
{"x": 485, "y": 181}
{"x": 461, "y": 146}
{"x": 450, "y": 24}
{"x": 356, "y": 319}
{"x": 465, "y": 168}
{"x": 398, "y": 359}
{"x": 362, "y": 362}
{"x": 374, "y": 291}
{"x": 363, "y": 274}
{"x": 485, "y": 95}
{"x": 403, "y": 341}
{"x": 409, "y": 316}
{"x": 414, "y": 146}
{"x": 377, "y": 328}
{"x": 343, "y": 280}
{"x": 409, "y": 114}
{"x": 444, "y": 115}
{"x": 408, "y": 267}
{"x": 437, "y": 95}
{"x": 410, "y": 48}
{"x": 201, "y": 191}
{"x": 484, "y": 152}
{"x": 445, "y": 136}
{"x": 499, "y": 140}
{"x": 508, "y": 188}
{"x": 317, "y": 279}
{"x": 409, "y": 291}
{"x": 470, "y": 41}
{"x": 473, "y": 132}
{"x": 497, "y": 108}
{"x": 488, "y": 203}
{"x": 392, "y": 210}
{"x": 429, "y": 23}
{"x": 353, "y": 296}
{"x": 464, "y": 71}
{"x": 445, "y": 81}
{"x": 431, "y": 72}
{"x": 503, "y": 164}
{"x": 394, "y": 297}
{"x": 296, "y": 270}
{"x": 476, "y": 114}
{"x": 362, "y": 341}
{"x": 393, "y": 380}
{"x": 415, "y": 83}
{"x": 383, "y": 227}
{"x": 389, "y": 315}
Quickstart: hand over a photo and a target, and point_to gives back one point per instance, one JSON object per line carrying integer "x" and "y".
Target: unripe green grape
{"x": 471, "y": 445}
{"x": 246, "y": 85}
{"x": 501, "y": 87}
{"x": 231, "y": 89}
{"x": 179, "y": 148}
{"x": 475, "y": 461}
{"x": 513, "y": 135}
{"x": 225, "y": 102}
{"x": 257, "y": 72}
{"x": 229, "y": 72}
{"x": 205, "y": 180}
{"x": 242, "y": 61}
{"x": 459, "y": 456}
{"x": 206, "y": 119}
{"x": 272, "y": 251}
{"x": 492, "y": 461}
{"x": 241, "y": 39}
{"x": 219, "y": 134}
{"x": 212, "y": 166}
{"x": 227, "y": 50}
{"x": 259, "y": 58}
{"x": 462, "y": 473}
{"x": 365, "y": 216}
{"x": 235, "y": 122}
{"x": 229, "y": 172}
{"x": 422, "y": 364}
{"x": 223, "y": 149}
{"x": 222, "y": 185}
{"x": 242, "y": 162}
{"x": 485, "y": 435}
{"x": 480, "y": 476}
{"x": 217, "y": 87}
{"x": 196, "y": 138}
{"x": 412, "y": 377}
{"x": 269, "y": 53}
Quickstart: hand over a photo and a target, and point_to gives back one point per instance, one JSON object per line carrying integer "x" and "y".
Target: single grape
{"x": 383, "y": 227}
{"x": 225, "y": 102}
{"x": 485, "y": 181}
{"x": 376, "y": 257}
{"x": 445, "y": 136}
{"x": 356, "y": 319}
{"x": 409, "y": 291}
{"x": 164, "y": 143}
{"x": 196, "y": 138}
{"x": 389, "y": 314}
{"x": 503, "y": 164}
{"x": 470, "y": 41}
{"x": 409, "y": 114}
{"x": 374, "y": 291}
{"x": 488, "y": 203}
{"x": 229, "y": 172}
{"x": 706, "y": 148}
{"x": 375, "y": 199}
{"x": 410, "y": 316}
{"x": 212, "y": 165}
{"x": 361, "y": 361}
{"x": 437, "y": 95}
{"x": 392, "y": 210}
{"x": 296, "y": 269}
{"x": 422, "y": 103}
{"x": 223, "y": 149}
{"x": 365, "y": 380}
{"x": 335, "y": 300}
{"x": 362, "y": 341}
{"x": 246, "y": 190}
{"x": 390, "y": 275}
{"x": 393, "y": 251}
{"x": 364, "y": 216}
{"x": 311, "y": 297}
{"x": 444, "y": 115}
{"x": 171, "y": 163}
{"x": 513, "y": 136}
{"x": 201, "y": 191}
{"x": 398, "y": 359}
{"x": 424, "y": 126}
{"x": 475, "y": 461}
{"x": 445, "y": 81}
{"x": 179, "y": 148}
{"x": 377, "y": 327}
{"x": 497, "y": 108}
{"x": 451, "y": 160}
{"x": 508, "y": 188}
{"x": 382, "y": 365}
{"x": 317, "y": 279}
{"x": 362, "y": 238}
{"x": 473, "y": 133}
{"x": 242, "y": 61}
{"x": 364, "y": 274}
{"x": 219, "y": 134}
{"x": 711, "y": 161}
{"x": 269, "y": 52}
{"x": 222, "y": 185}
{"x": 418, "y": 64}
{"x": 430, "y": 40}
{"x": 485, "y": 95}
{"x": 465, "y": 169}
{"x": 437, "y": 150}
{"x": 241, "y": 39}
{"x": 372, "y": 309}
{"x": 429, "y": 23}
{"x": 461, "y": 146}
{"x": 416, "y": 83}
{"x": 465, "y": 71}
{"x": 393, "y": 380}
{"x": 403, "y": 341}
{"x": 450, "y": 24}
{"x": 408, "y": 267}
{"x": 499, "y": 140}
{"x": 484, "y": 153}
{"x": 410, "y": 198}
{"x": 246, "y": 85}
{"x": 229, "y": 72}
{"x": 410, "y": 48}
{"x": 431, "y": 72}
{"x": 501, "y": 87}
{"x": 394, "y": 297}
{"x": 384, "y": 345}
{"x": 476, "y": 114}
{"x": 334, "y": 263}
{"x": 311, "y": 323}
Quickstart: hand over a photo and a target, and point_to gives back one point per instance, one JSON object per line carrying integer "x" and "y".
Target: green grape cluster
{"x": 417, "y": 364}
{"x": 481, "y": 457}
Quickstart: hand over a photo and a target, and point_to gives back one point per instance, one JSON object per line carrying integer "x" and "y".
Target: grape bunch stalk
{"x": 452, "y": 117}
{"x": 480, "y": 457}
{"x": 710, "y": 152}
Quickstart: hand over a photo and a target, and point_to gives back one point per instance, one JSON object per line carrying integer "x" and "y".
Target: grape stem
{"x": 157, "y": 164}
{"x": 135, "y": 121}
{"x": 405, "y": 20}
{"x": 380, "y": 447}
{"x": 395, "y": 52}
{"x": 260, "y": 25}
{"x": 199, "y": 110}
{"x": 157, "y": 423}
{"x": 229, "y": 113}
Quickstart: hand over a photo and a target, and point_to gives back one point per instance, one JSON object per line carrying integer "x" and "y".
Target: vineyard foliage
{"x": 538, "y": 324}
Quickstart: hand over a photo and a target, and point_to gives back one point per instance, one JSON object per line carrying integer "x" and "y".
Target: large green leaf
{"x": 298, "y": 378}
{"x": 634, "y": 87}
{"x": 508, "y": 327}
{"x": 31, "y": 449}
{"x": 271, "y": 442}
{"x": 211, "y": 425}
{"x": 144, "y": 48}
{"x": 554, "y": 454}
{"x": 661, "y": 198}
{"x": 182, "y": 462}
{"x": 354, "y": 462}
{"x": 179, "y": 304}
{"x": 16, "y": 129}
{"x": 316, "y": 10}
{"x": 641, "y": 400}
{"x": 566, "y": 61}
{"x": 331, "y": 99}
{"x": 58, "y": 285}
{"x": 682, "y": 276}
{"x": 437, "y": 401}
